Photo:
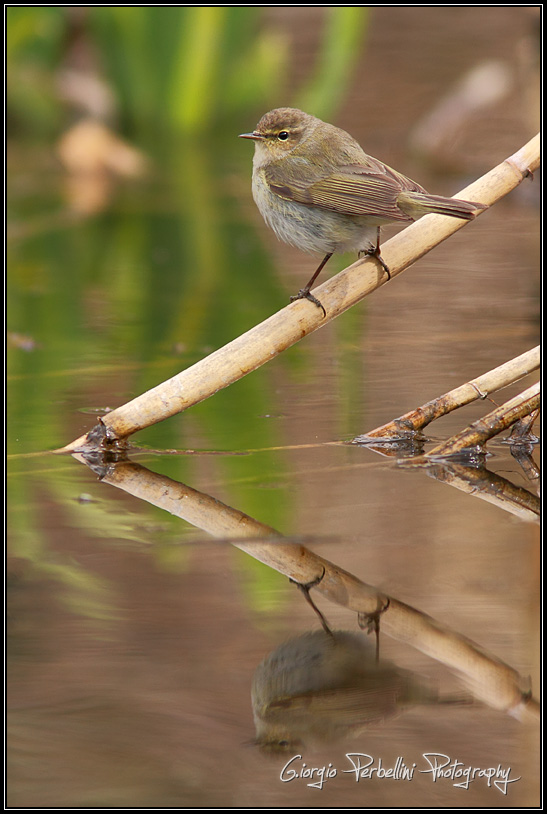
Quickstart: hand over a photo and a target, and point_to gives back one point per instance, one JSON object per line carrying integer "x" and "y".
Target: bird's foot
{"x": 374, "y": 251}
{"x": 305, "y": 294}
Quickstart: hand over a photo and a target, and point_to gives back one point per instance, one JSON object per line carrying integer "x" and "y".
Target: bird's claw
{"x": 374, "y": 251}
{"x": 305, "y": 294}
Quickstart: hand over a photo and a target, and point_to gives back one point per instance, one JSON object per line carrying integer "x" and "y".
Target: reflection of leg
{"x": 371, "y": 622}
{"x": 305, "y": 588}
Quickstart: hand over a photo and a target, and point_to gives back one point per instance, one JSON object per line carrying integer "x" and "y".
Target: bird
{"x": 319, "y": 191}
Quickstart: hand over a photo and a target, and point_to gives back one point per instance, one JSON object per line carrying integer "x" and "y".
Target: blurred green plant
{"x": 185, "y": 66}
{"x": 171, "y": 67}
{"x": 35, "y": 38}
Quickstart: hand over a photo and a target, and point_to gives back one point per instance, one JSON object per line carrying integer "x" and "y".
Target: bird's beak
{"x": 256, "y": 136}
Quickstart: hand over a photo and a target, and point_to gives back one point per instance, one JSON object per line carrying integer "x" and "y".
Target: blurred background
{"x": 134, "y": 249}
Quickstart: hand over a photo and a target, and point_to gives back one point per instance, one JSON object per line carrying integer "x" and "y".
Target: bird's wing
{"x": 356, "y": 189}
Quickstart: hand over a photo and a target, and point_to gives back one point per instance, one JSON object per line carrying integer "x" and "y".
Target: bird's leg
{"x": 374, "y": 251}
{"x": 371, "y": 622}
{"x": 305, "y": 588}
{"x": 304, "y": 293}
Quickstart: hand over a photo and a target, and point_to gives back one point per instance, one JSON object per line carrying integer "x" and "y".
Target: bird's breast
{"x": 311, "y": 228}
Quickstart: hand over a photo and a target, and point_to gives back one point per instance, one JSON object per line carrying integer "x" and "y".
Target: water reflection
{"x": 139, "y": 686}
{"x": 319, "y": 688}
{"x": 487, "y": 677}
{"x": 469, "y": 474}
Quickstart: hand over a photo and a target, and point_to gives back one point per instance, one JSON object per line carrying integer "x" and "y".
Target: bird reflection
{"x": 319, "y": 688}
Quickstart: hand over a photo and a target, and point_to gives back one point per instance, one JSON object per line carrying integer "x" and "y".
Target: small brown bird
{"x": 318, "y": 190}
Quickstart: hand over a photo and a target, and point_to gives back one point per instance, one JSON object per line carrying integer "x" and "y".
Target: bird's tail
{"x": 416, "y": 204}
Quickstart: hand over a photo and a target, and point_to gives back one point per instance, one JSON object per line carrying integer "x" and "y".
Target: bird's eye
{"x": 283, "y": 135}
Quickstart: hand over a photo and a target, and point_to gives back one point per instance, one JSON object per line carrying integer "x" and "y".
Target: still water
{"x": 134, "y": 635}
